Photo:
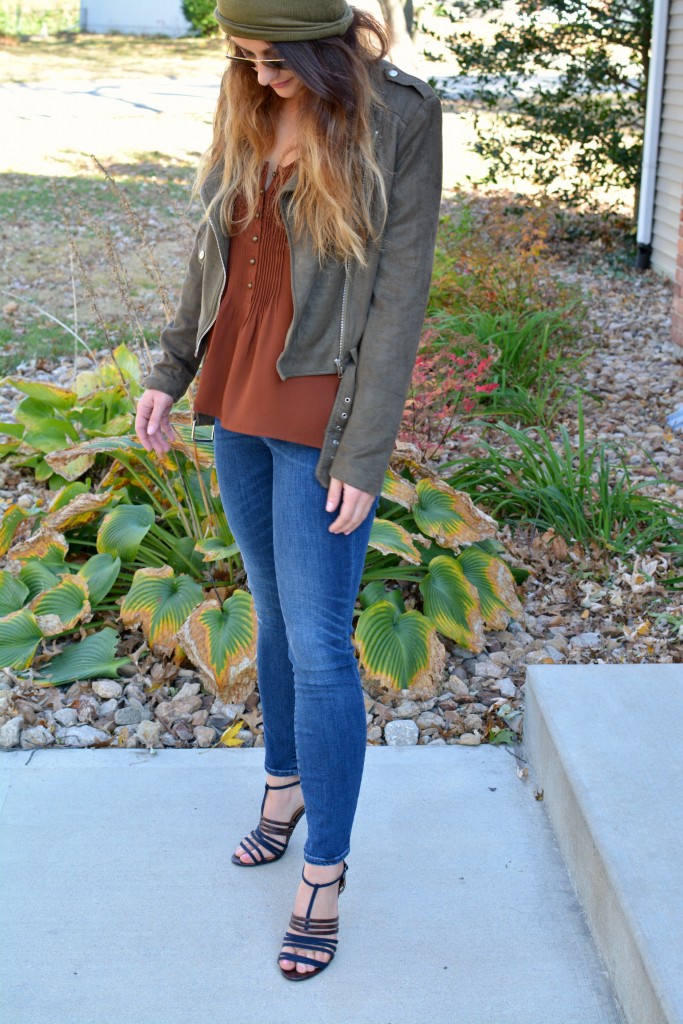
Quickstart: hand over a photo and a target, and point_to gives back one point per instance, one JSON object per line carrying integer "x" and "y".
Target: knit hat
{"x": 283, "y": 21}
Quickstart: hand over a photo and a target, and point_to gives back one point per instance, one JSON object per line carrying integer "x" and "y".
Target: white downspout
{"x": 653, "y": 121}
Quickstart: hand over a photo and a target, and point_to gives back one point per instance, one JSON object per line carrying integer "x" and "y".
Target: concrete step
{"x": 605, "y": 747}
{"x": 119, "y": 904}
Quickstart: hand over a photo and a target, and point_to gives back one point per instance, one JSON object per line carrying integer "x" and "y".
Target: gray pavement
{"x": 120, "y": 904}
{"x": 603, "y": 740}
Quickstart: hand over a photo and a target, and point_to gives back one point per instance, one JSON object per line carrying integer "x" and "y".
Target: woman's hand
{"x": 354, "y": 507}
{"x": 152, "y": 423}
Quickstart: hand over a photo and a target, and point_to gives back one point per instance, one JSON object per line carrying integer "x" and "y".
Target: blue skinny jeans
{"x": 304, "y": 581}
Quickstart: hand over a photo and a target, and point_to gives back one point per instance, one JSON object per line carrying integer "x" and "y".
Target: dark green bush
{"x": 199, "y": 13}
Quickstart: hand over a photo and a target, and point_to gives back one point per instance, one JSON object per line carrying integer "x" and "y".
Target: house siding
{"x": 667, "y": 209}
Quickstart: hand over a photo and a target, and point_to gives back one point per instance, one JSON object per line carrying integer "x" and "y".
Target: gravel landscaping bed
{"x": 578, "y": 607}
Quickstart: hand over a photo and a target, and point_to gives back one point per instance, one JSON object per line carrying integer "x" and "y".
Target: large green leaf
{"x": 495, "y": 585}
{"x": 100, "y": 573}
{"x": 449, "y": 516}
{"x": 92, "y": 658}
{"x": 11, "y": 518}
{"x": 60, "y": 608}
{"x": 452, "y": 603}
{"x": 392, "y": 538}
{"x": 221, "y": 642}
{"x": 37, "y": 576}
{"x": 13, "y": 593}
{"x": 397, "y": 650}
{"x": 50, "y": 435}
{"x": 123, "y": 529}
{"x": 49, "y": 394}
{"x": 20, "y": 635}
{"x": 159, "y": 602}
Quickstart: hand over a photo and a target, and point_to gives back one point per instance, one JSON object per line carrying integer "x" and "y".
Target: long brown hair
{"x": 339, "y": 196}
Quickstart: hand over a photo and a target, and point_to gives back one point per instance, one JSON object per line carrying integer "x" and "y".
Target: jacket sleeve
{"x": 178, "y": 365}
{"x": 388, "y": 347}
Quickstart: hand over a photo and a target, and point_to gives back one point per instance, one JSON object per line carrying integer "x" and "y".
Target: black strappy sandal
{"x": 266, "y": 835}
{"x": 316, "y": 927}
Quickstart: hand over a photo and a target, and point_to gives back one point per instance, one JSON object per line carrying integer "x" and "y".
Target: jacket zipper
{"x": 338, "y": 360}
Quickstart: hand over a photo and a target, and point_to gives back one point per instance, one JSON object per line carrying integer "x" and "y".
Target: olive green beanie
{"x": 283, "y": 21}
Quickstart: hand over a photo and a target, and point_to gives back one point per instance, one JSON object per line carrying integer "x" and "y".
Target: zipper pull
{"x": 338, "y": 364}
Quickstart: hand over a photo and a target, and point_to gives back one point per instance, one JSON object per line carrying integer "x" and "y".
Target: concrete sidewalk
{"x": 120, "y": 904}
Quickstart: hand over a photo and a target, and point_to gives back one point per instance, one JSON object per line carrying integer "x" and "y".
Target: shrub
{"x": 199, "y": 13}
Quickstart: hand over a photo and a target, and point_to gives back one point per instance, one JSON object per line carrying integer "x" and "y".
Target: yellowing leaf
{"x": 449, "y": 516}
{"x": 399, "y": 650}
{"x": 397, "y": 488}
{"x": 80, "y": 510}
{"x": 221, "y": 642}
{"x": 46, "y": 544}
{"x": 11, "y": 518}
{"x": 160, "y": 602}
{"x": 393, "y": 539}
{"x": 60, "y": 608}
{"x": 451, "y": 603}
{"x": 229, "y": 737}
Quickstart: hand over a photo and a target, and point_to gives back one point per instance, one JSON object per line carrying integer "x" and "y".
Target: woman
{"x": 305, "y": 294}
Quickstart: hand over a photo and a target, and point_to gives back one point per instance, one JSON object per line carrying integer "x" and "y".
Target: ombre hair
{"x": 339, "y": 198}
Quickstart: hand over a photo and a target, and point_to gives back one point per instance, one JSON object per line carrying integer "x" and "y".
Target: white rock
{"x": 587, "y": 640}
{"x": 505, "y": 687}
{"x": 107, "y": 688}
{"x": 80, "y": 735}
{"x": 486, "y": 667}
{"x": 9, "y": 733}
{"x": 204, "y": 736}
{"x": 401, "y": 733}
{"x": 407, "y": 709}
{"x": 187, "y": 690}
{"x": 469, "y": 739}
{"x": 429, "y": 719}
{"x": 36, "y": 736}
{"x": 149, "y": 733}
{"x": 66, "y": 716}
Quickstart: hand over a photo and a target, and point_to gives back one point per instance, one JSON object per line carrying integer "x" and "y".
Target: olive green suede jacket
{"x": 363, "y": 322}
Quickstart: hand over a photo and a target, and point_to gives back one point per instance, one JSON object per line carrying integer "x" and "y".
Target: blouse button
{"x": 250, "y": 285}
{"x": 258, "y": 216}
{"x": 252, "y": 262}
{"x": 255, "y": 238}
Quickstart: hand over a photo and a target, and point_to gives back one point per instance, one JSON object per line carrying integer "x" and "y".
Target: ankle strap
{"x": 286, "y": 785}
{"x": 321, "y": 885}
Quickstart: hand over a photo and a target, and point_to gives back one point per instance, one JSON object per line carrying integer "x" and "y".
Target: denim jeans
{"x": 304, "y": 581}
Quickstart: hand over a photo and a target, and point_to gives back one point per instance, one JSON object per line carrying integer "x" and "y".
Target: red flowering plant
{"x": 446, "y": 379}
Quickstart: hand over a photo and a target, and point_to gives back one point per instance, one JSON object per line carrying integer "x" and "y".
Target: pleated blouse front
{"x": 239, "y": 382}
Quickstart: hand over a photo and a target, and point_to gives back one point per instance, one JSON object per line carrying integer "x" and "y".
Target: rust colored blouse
{"x": 239, "y": 383}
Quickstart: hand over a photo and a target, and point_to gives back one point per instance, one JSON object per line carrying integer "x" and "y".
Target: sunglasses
{"x": 277, "y": 64}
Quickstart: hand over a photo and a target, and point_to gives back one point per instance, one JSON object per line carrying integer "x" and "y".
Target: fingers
{"x": 334, "y": 493}
{"x": 152, "y": 421}
{"x": 354, "y": 508}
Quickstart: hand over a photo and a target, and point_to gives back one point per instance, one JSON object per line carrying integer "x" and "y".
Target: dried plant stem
{"x": 147, "y": 253}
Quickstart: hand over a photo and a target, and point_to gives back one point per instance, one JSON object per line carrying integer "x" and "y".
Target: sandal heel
{"x": 270, "y": 834}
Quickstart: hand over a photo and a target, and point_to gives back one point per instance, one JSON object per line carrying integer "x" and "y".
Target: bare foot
{"x": 280, "y": 805}
{"x": 325, "y": 905}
